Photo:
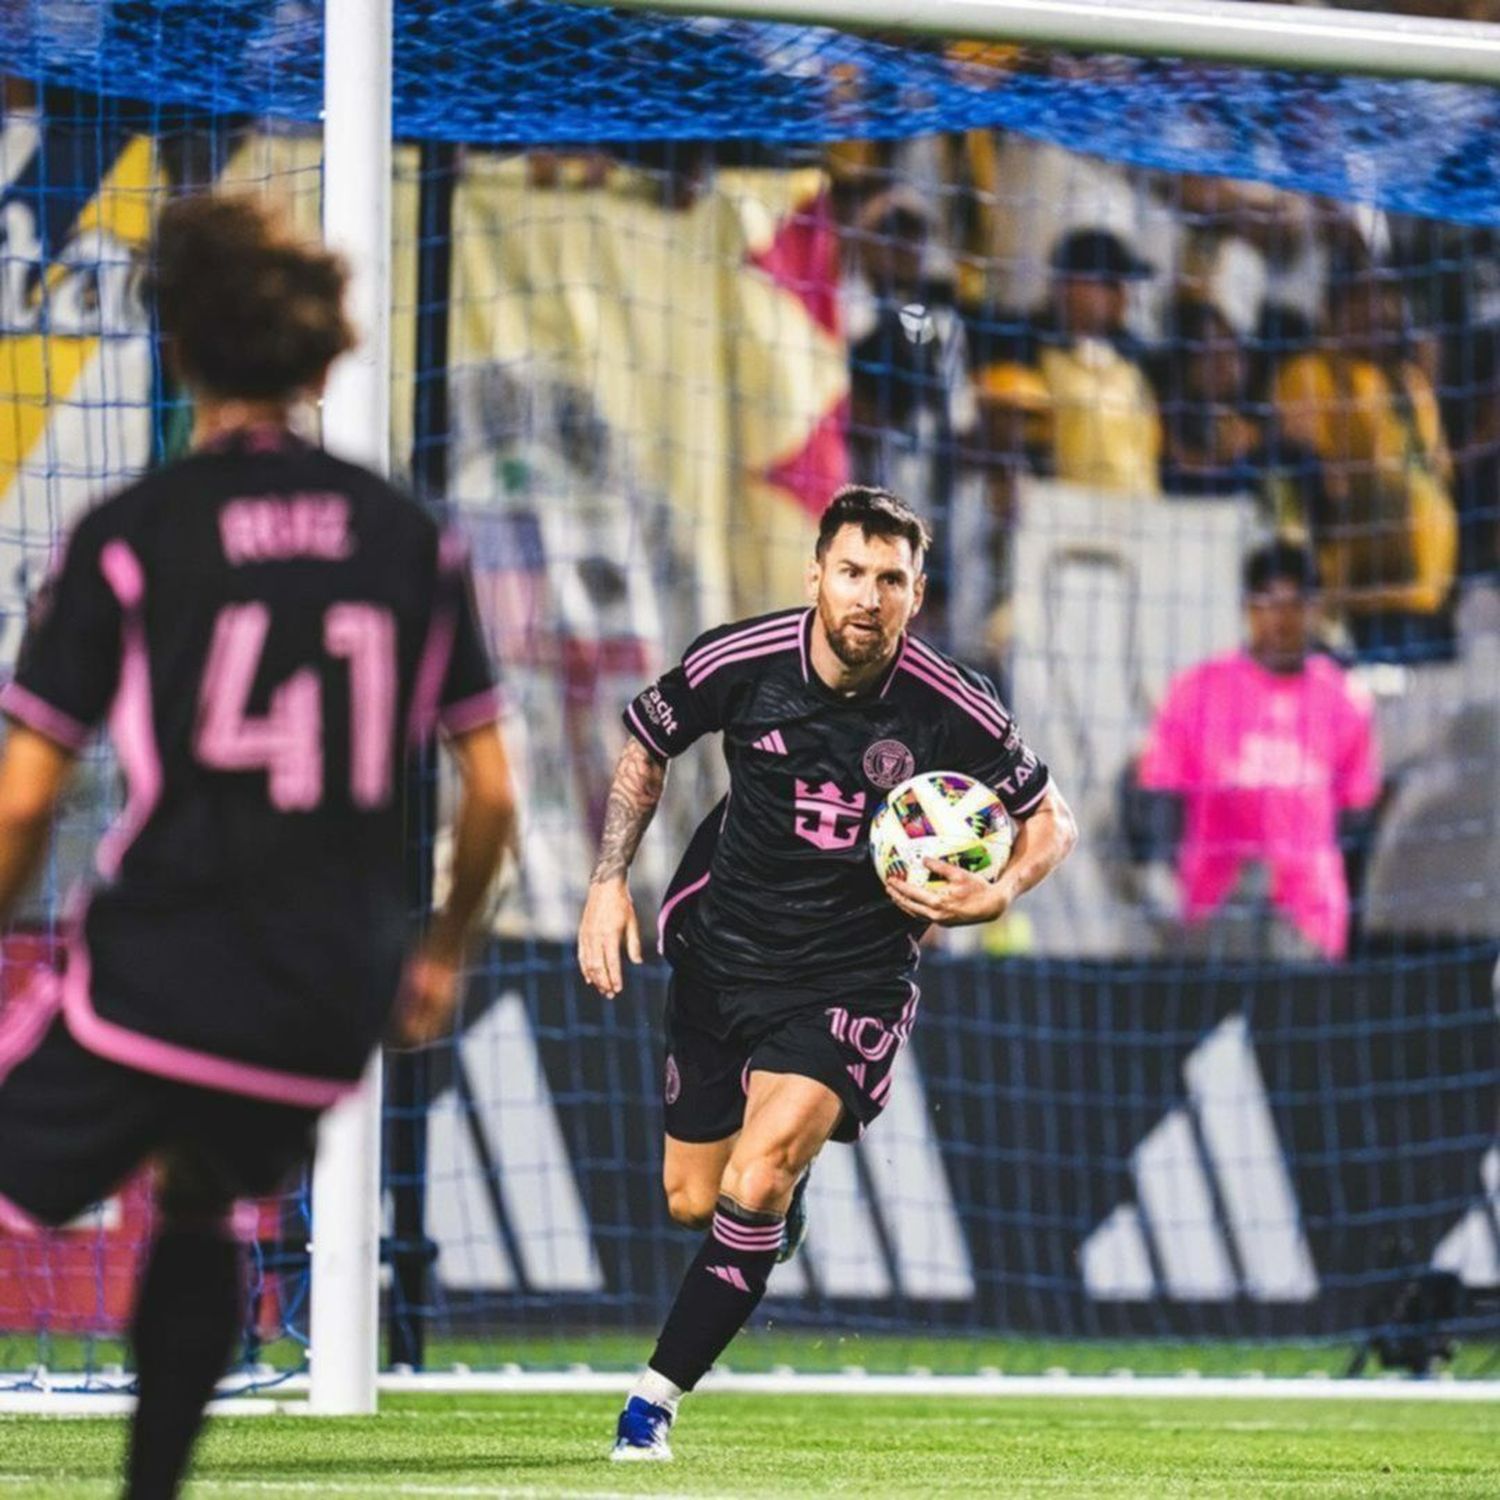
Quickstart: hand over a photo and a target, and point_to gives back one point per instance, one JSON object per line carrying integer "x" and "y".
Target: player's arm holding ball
{"x": 989, "y": 748}
{"x": 1044, "y": 838}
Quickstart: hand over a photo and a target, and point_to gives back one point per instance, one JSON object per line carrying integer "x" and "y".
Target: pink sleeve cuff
{"x": 36, "y": 713}
{"x": 472, "y": 713}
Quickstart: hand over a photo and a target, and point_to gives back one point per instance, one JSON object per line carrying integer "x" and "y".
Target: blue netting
{"x": 502, "y": 74}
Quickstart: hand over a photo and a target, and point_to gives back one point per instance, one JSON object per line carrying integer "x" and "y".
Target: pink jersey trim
{"x": 895, "y": 667}
{"x": 431, "y": 669}
{"x": 131, "y": 724}
{"x": 1021, "y": 812}
{"x": 22, "y": 705}
{"x": 671, "y": 906}
{"x": 123, "y": 573}
{"x": 471, "y": 713}
{"x": 437, "y": 649}
{"x": 770, "y": 648}
{"x": 640, "y": 729}
{"x": 146, "y": 1054}
{"x": 995, "y": 727}
{"x": 24, "y": 1022}
{"x": 736, "y": 637}
{"x": 979, "y": 702}
{"x": 706, "y": 663}
{"x": 803, "y": 632}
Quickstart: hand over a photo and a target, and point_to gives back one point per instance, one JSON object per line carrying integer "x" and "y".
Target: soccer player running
{"x": 792, "y": 987}
{"x": 269, "y": 631}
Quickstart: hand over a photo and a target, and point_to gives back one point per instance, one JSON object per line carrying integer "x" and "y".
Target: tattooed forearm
{"x": 633, "y": 795}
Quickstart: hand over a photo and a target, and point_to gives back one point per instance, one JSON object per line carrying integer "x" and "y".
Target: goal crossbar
{"x": 1231, "y": 31}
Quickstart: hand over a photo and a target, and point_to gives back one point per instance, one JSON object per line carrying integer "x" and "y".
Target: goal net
{"x": 1222, "y": 1094}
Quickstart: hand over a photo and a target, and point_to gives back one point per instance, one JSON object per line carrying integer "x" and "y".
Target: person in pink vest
{"x": 1265, "y": 771}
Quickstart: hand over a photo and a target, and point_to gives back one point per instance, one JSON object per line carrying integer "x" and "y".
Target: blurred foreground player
{"x": 269, "y": 631}
{"x": 792, "y": 987}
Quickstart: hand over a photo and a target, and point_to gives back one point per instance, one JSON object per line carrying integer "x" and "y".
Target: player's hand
{"x": 428, "y": 998}
{"x": 608, "y": 921}
{"x": 961, "y": 900}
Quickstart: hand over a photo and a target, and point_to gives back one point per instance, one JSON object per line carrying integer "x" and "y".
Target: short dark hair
{"x": 876, "y": 512}
{"x": 1280, "y": 559}
{"x": 251, "y": 308}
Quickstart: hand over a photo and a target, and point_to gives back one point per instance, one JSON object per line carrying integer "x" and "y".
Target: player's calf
{"x": 184, "y": 1327}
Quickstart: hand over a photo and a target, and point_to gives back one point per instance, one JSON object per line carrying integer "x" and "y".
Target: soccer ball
{"x": 940, "y": 815}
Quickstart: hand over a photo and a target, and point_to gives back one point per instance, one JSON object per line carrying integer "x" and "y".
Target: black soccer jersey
{"x": 777, "y": 889}
{"x": 270, "y": 632}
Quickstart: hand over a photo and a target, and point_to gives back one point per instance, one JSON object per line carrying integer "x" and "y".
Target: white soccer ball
{"x": 940, "y": 815}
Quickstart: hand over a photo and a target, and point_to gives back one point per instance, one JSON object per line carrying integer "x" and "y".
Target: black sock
{"x": 186, "y": 1317}
{"x": 722, "y": 1288}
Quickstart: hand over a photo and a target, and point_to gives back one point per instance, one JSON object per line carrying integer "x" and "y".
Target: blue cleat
{"x": 795, "y": 1229}
{"x": 641, "y": 1436}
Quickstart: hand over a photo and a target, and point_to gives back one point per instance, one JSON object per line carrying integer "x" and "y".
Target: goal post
{"x": 346, "y": 1220}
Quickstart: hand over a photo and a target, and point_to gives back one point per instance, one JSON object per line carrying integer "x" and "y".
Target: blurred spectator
{"x": 909, "y": 377}
{"x": 1212, "y": 444}
{"x": 1100, "y": 427}
{"x": 1387, "y": 535}
{"x": 1264, "y": 762}
{"x": 1478, "y": 460}
{"x": 910, "y": 392}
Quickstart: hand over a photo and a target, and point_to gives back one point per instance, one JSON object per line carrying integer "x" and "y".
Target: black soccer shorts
{"x": 716, "y": 1039}
{"x": 74, "y": 1125}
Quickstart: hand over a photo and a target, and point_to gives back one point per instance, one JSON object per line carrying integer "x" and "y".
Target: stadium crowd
{"x": 1025, "y": 311}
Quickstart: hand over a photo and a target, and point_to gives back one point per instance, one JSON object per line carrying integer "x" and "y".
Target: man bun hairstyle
{"x": 876, "y": 512}
{"x": 250, "y": 308}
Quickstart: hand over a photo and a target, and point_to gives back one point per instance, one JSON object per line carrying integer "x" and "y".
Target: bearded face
{"x": 867, "y": 590}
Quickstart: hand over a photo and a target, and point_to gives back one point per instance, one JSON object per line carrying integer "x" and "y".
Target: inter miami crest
{"x": 888, "y": 763}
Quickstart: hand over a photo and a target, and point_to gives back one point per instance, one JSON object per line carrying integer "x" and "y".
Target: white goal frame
{"x": 345, "y": 1323}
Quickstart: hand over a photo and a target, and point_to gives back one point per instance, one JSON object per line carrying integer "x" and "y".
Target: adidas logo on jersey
{"x": 772, "y": 743}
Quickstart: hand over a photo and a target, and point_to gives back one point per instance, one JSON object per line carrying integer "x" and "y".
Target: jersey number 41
{"x": 286, "y": 742}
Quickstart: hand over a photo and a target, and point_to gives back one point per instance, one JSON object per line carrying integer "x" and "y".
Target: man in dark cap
{"x": 1099, "y": 426}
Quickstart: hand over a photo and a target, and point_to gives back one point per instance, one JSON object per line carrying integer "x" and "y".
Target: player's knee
{"x": 691, "y": 1204}
{"x": 763, "y": 1182}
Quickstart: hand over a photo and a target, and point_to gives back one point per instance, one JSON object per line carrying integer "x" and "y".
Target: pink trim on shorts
{"x": 667, "y": 910}
{"x": 49, "y": 721}
{"x": 147, "y": 1054}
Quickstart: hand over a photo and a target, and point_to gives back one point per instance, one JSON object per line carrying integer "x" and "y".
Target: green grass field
{"x": 767, "y": 1346}
{"x": 735, "y": 1445}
